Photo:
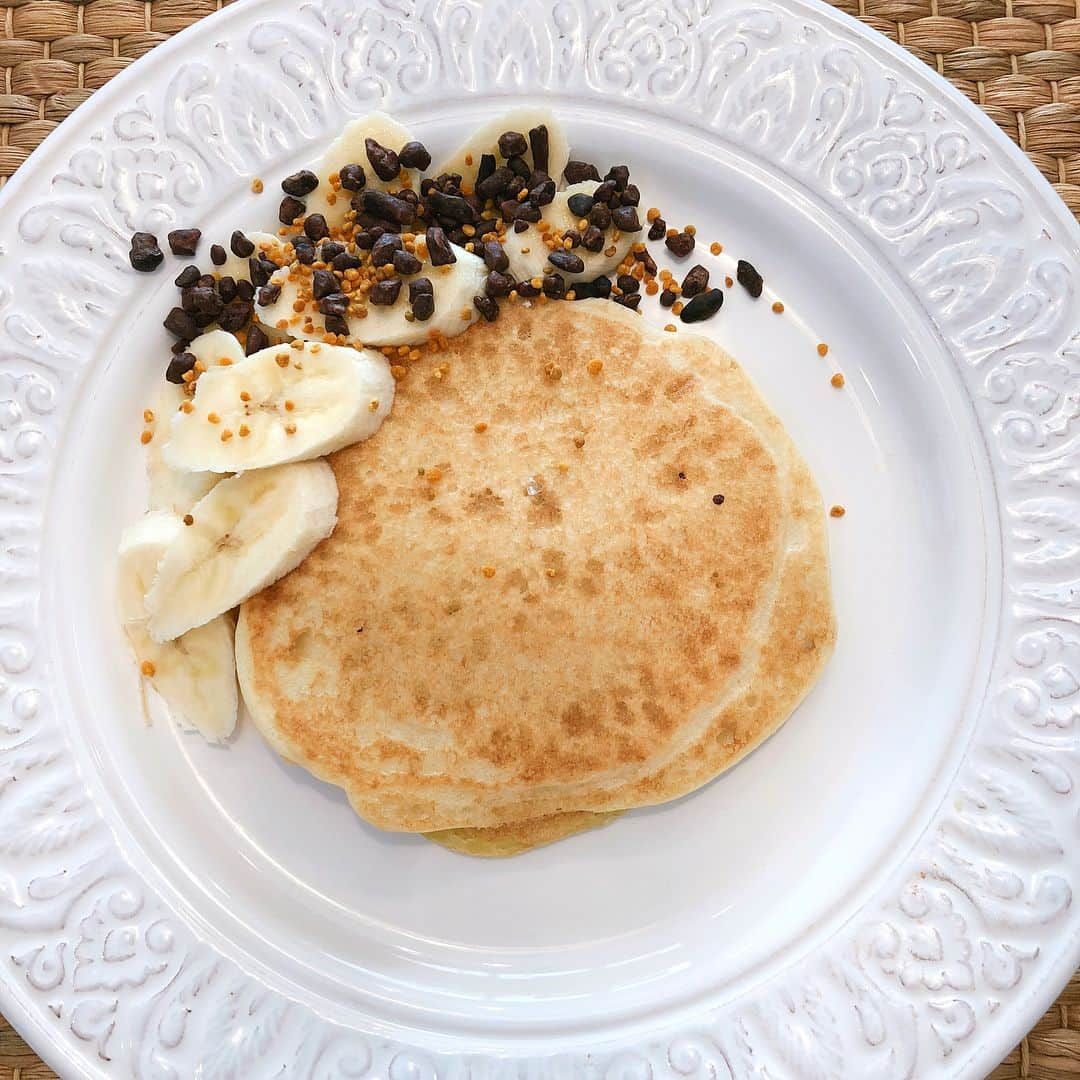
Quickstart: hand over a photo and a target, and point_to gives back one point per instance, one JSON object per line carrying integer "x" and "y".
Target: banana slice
{"x": 529, "y": 256}
{"x": 281, "y": 404}
{"x": 217, "y": 348}
{"x": 349, "y": 149}
{"x": 249, "y": 531}
{"x": 453, "y": 287}
{"x": 175, "y": 490}
{"x": 240, "y": 269}
{"x": 141, "y": 548}
{"x": 195, "y": 674}
{"x": 486, "y": 141}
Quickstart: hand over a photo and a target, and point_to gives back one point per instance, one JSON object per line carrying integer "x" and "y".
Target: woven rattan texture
{"x": 54, "y": 54}
{"x": 1018, "y": 59}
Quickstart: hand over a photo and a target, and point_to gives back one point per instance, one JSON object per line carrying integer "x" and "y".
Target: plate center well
{"x": 674, "y": 903}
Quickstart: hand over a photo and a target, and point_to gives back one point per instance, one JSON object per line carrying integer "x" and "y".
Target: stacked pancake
{"x": 580, "y": 568}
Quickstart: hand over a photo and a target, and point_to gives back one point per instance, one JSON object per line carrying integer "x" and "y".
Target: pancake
{"x": 553, "y": 614}
{"x": 502, "y": 841}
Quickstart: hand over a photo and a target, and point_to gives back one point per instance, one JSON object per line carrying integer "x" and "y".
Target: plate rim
{"x": 1001, "y": 1036}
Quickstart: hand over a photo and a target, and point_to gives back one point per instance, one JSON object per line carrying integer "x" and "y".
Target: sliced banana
{"x": 528, "y": 254}
{"x": 246, "y": 533}
{"x": 175, "y": 490}
{"x": 240, "y": 269}
{"x": 281, "y": 404}
{"x": 485, "y": 140}
{"x": 349, "y": 149}
{"x": 141, "y": 548}
{"x": 453, "y": 287}
{"x": 195, "y": 674}
{"x": 216, "y": 348}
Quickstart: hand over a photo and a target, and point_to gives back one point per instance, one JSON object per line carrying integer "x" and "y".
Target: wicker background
{"x": 1018, "y": 59}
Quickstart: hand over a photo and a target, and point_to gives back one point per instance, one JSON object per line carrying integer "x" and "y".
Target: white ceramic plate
{"x": 883, "y": 890}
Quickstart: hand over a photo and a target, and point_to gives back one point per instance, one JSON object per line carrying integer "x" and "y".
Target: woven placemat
{"x": 1018, "y": 59}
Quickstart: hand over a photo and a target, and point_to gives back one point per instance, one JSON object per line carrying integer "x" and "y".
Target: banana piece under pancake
{"x": 634, "y": 638}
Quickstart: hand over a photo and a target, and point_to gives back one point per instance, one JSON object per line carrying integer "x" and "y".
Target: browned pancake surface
{"x": 553, "y": 613}
{"x": 502, "y": 841}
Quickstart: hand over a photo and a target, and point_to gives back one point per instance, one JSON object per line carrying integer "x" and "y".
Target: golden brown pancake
{"x": 502, "y": 841}
{"x": 556, "y": 613}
